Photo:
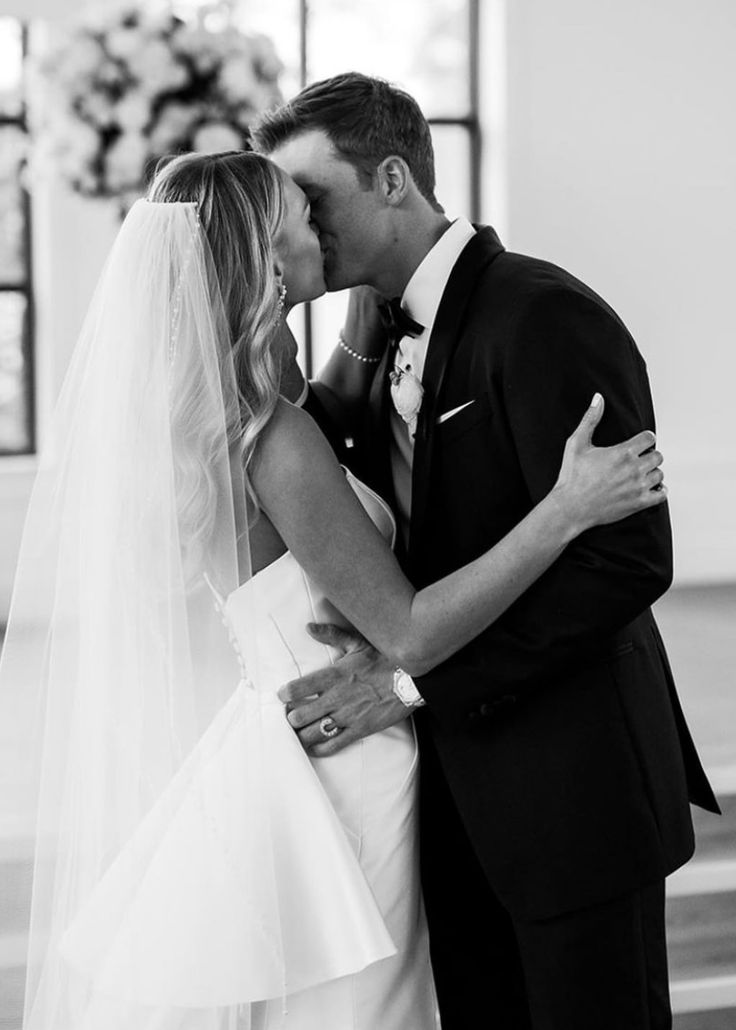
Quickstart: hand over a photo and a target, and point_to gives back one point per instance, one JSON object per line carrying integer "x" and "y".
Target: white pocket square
{"x": 448, "y": 414}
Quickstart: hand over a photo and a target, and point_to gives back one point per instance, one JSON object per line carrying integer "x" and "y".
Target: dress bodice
{"x": 267, "y": 616}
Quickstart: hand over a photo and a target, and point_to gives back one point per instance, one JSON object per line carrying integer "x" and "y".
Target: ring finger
{"x": 312, "y": 735}
{"x": 328, "y": 727}
{"x": 306, "y": 713}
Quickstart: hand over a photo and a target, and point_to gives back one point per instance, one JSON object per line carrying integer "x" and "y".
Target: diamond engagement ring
{"x": 328, "y": 727}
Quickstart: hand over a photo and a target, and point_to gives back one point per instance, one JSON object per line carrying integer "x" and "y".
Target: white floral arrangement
{"x": 130, "y": 88}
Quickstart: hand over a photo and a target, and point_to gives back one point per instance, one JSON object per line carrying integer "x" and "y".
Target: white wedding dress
{"x": 310, "y": 904}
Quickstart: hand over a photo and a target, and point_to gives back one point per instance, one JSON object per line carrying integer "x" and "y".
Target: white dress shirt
{"x": 421, "y": 299}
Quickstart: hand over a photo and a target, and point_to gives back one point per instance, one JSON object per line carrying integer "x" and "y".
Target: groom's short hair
{"x": 367, "y": 119}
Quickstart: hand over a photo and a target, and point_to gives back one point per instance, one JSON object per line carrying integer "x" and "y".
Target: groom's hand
{"x": 356, "y": 693}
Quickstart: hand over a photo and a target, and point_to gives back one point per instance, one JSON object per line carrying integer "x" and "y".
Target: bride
{"x": 194, "y": 869}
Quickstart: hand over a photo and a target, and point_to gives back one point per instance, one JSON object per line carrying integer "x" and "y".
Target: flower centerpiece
{"x": 135, "y": 86}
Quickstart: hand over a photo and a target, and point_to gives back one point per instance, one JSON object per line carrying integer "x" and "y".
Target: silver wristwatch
{"x": 406, "y": 690}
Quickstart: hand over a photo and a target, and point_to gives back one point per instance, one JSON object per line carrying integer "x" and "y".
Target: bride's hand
{"x": 598, "y": 485}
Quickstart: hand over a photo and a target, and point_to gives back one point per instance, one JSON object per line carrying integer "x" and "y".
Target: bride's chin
{"x": 303, "y": 293}
{"x": 319, "y": 291}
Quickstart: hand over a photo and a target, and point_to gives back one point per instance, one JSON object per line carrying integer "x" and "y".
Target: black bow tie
{"x": 397, "y": 322}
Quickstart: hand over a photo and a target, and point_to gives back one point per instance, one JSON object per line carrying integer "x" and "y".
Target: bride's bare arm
{"x": 344, "y": 383}
{"x": 305, "y": 494}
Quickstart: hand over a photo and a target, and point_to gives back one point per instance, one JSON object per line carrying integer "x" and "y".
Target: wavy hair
{"x": 240, "y": 202}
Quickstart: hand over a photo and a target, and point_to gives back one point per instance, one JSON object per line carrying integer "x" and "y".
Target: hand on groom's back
{"x": 356, "y": 694}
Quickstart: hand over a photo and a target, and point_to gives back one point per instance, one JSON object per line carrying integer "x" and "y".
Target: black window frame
{"x": 24, "y": 285}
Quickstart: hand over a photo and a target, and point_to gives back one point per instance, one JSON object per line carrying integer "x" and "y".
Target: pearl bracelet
{"x": 353, "y": 353}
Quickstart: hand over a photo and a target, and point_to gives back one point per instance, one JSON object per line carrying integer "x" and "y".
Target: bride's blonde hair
{"x": 240, "y": 203}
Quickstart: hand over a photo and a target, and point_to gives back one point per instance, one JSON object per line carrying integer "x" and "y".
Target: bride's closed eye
{"x": 314, "y": 200}
{"x": 314, "y": 226}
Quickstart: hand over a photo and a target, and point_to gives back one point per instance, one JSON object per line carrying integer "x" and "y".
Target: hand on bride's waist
{"x": 355, "y": 694}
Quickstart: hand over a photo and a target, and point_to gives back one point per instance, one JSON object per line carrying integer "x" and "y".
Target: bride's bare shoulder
{"x": 291, "y": 445}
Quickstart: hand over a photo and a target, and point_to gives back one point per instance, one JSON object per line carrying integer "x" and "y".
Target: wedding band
{"x": 328, "y": 727}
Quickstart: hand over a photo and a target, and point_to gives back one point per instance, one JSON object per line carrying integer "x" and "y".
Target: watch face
{"x": 405, "y": 688}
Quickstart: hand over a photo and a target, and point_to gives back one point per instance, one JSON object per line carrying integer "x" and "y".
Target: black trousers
{"x": 603, "y": 967}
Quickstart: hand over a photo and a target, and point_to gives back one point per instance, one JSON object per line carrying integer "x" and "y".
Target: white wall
{"x": 610, "y": 149}
{"x": 618, "y": 161}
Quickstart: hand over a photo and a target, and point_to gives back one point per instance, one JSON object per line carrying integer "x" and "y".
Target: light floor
{"x": 699, "y": 629}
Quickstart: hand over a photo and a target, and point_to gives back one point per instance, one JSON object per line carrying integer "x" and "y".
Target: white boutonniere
{"x": 407, "y": 393}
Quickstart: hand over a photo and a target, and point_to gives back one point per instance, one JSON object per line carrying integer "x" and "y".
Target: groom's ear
{"x": 394, "y": 179}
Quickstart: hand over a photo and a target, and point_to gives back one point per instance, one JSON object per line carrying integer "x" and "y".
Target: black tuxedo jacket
{"x": 558, "y": 730}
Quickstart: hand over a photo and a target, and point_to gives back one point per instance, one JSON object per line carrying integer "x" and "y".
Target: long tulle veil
{"x": 176, "y": 885}
{"x": 115, "y": 658}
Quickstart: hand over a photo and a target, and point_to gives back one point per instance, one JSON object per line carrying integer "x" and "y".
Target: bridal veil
{"x": 116, "y": 663}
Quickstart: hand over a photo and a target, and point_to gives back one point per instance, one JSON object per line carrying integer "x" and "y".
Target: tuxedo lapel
{"x": 480, "y": 251}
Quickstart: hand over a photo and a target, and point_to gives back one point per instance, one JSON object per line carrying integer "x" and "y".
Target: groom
{"x": 556, "y": 763}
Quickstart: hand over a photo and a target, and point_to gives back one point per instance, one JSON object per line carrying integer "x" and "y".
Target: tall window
{"x": 429, "y": 47}
{"x": 16, "y": 297}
